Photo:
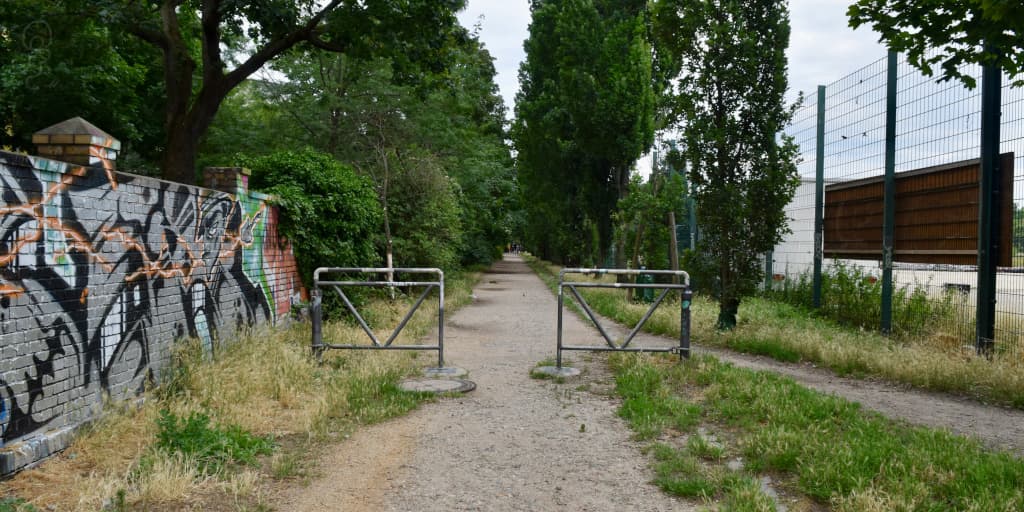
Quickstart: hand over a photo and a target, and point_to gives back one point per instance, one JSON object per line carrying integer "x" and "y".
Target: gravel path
{"x": 515, "y": 443}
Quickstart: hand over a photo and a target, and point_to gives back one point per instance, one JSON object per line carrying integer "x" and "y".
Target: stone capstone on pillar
{"x": 233, "y": 180}
{"x": 78, "y": 141}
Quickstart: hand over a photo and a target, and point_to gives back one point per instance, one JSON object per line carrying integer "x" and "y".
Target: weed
{"x": 745, "y": 495}
{"x": 702, "y": 447}
{"x": 213, "y": 447}
{"x": 288, "y": 465}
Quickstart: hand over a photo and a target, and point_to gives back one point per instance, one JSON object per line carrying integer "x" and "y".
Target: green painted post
{"x": 889, "y": 208}
{"x": 988, "y": 207}
{"x": 819, "y": 198}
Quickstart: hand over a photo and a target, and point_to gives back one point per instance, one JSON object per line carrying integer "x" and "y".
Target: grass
{"x": 818, "y": 447}
{"x": 789, "y": 333}
{"x": 205, "y": 435}
{"x": 15, "y": 505}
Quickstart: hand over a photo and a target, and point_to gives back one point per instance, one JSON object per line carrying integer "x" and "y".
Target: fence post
{"x": 317, "y": 321}
{"x": 988, "y": 206}
{"x": 819, "y": 198}
{"x": 889, "y": 193}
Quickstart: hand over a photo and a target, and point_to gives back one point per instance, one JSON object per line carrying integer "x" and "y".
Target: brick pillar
{"x": 233, "y": 180}
{"x": 78, "y": 141}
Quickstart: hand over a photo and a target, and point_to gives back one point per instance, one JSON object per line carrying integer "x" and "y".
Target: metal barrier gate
{"x": 317, "y": 317}
{"x": 686, "y": 295}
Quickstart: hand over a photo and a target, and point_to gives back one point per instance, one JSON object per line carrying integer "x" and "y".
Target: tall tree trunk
{"x": 728, "y": 298}
{"x": 184, "y": 129}
{"x": 727, "y": 310}
{"x": 179, "y": 160}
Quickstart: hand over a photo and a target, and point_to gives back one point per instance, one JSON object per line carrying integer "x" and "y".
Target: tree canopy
{"x": 390, "y": 94}
{"x": 207, "y": 48}
{"x": 949, "y": 34}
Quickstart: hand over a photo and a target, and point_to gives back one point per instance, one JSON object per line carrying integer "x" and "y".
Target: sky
{"x": 823, "y": 48}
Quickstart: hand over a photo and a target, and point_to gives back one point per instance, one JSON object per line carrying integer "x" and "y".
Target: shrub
{"x": 852, "y": 296}
{"x": 328, "y": 212}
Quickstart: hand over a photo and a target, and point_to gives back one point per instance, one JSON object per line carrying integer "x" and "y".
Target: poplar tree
{"x": 730, "y": 106}
{"x": 584, "y": 114}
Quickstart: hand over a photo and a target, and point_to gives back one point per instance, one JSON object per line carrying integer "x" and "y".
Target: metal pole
{"x": 889, "y": 204}
{"x": 316, "y": 318}
{"x": 558, "y": 351}
{"x": 819, "y": 198}
{"x": 988, "y": 207}
{"x": 440, "y": 321}
{"x": 684, "y": 324}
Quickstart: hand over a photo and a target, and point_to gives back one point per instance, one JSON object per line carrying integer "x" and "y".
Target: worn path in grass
{"x": 513, "y": 444}
{"x": 997, "y": 427}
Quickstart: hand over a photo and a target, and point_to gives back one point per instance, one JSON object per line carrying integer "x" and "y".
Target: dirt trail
{"x": 513, "y": 444}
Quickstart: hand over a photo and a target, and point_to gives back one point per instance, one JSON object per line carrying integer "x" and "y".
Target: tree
{"x": 642, "y": 218}
{"x": 435, "y": 151}
{"x": 193, "y": 35}
{"x": 949, "y": 34}
{"x": 584, "y": 115}
{"x": 732, "y": 82}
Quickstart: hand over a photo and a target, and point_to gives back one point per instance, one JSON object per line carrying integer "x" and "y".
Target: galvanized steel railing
{"x": 686, "y": 296}
{"x": 317, "y": 318}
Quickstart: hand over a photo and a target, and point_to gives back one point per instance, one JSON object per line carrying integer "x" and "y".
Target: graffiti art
{"x": 101, "y": 271}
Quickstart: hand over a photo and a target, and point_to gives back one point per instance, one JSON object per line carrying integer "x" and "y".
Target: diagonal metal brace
{"x": 416, "y": 306}
{"x": 647, "y": 316}
{"x": 593, "y": 318}
{"x": 359, "y": 318}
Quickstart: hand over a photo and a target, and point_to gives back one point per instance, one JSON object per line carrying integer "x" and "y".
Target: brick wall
{"x": 101, "y": 271}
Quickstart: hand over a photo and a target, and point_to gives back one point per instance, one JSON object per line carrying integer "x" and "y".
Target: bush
{"x": 852, "y": 296}
{"x": 328, "y": 212}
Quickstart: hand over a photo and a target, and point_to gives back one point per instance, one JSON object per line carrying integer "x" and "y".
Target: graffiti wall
{"x": 101, "y": 271}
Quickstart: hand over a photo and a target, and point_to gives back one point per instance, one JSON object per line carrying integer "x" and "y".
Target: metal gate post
{"x": 684, "y": 323}
{"x": 561, "y": 301}
{"x": 440, "y": 321}
{"x": 316, "y": 318}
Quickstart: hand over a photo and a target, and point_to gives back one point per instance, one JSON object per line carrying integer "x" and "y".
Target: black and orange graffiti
{"x": 100, "y": 271}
